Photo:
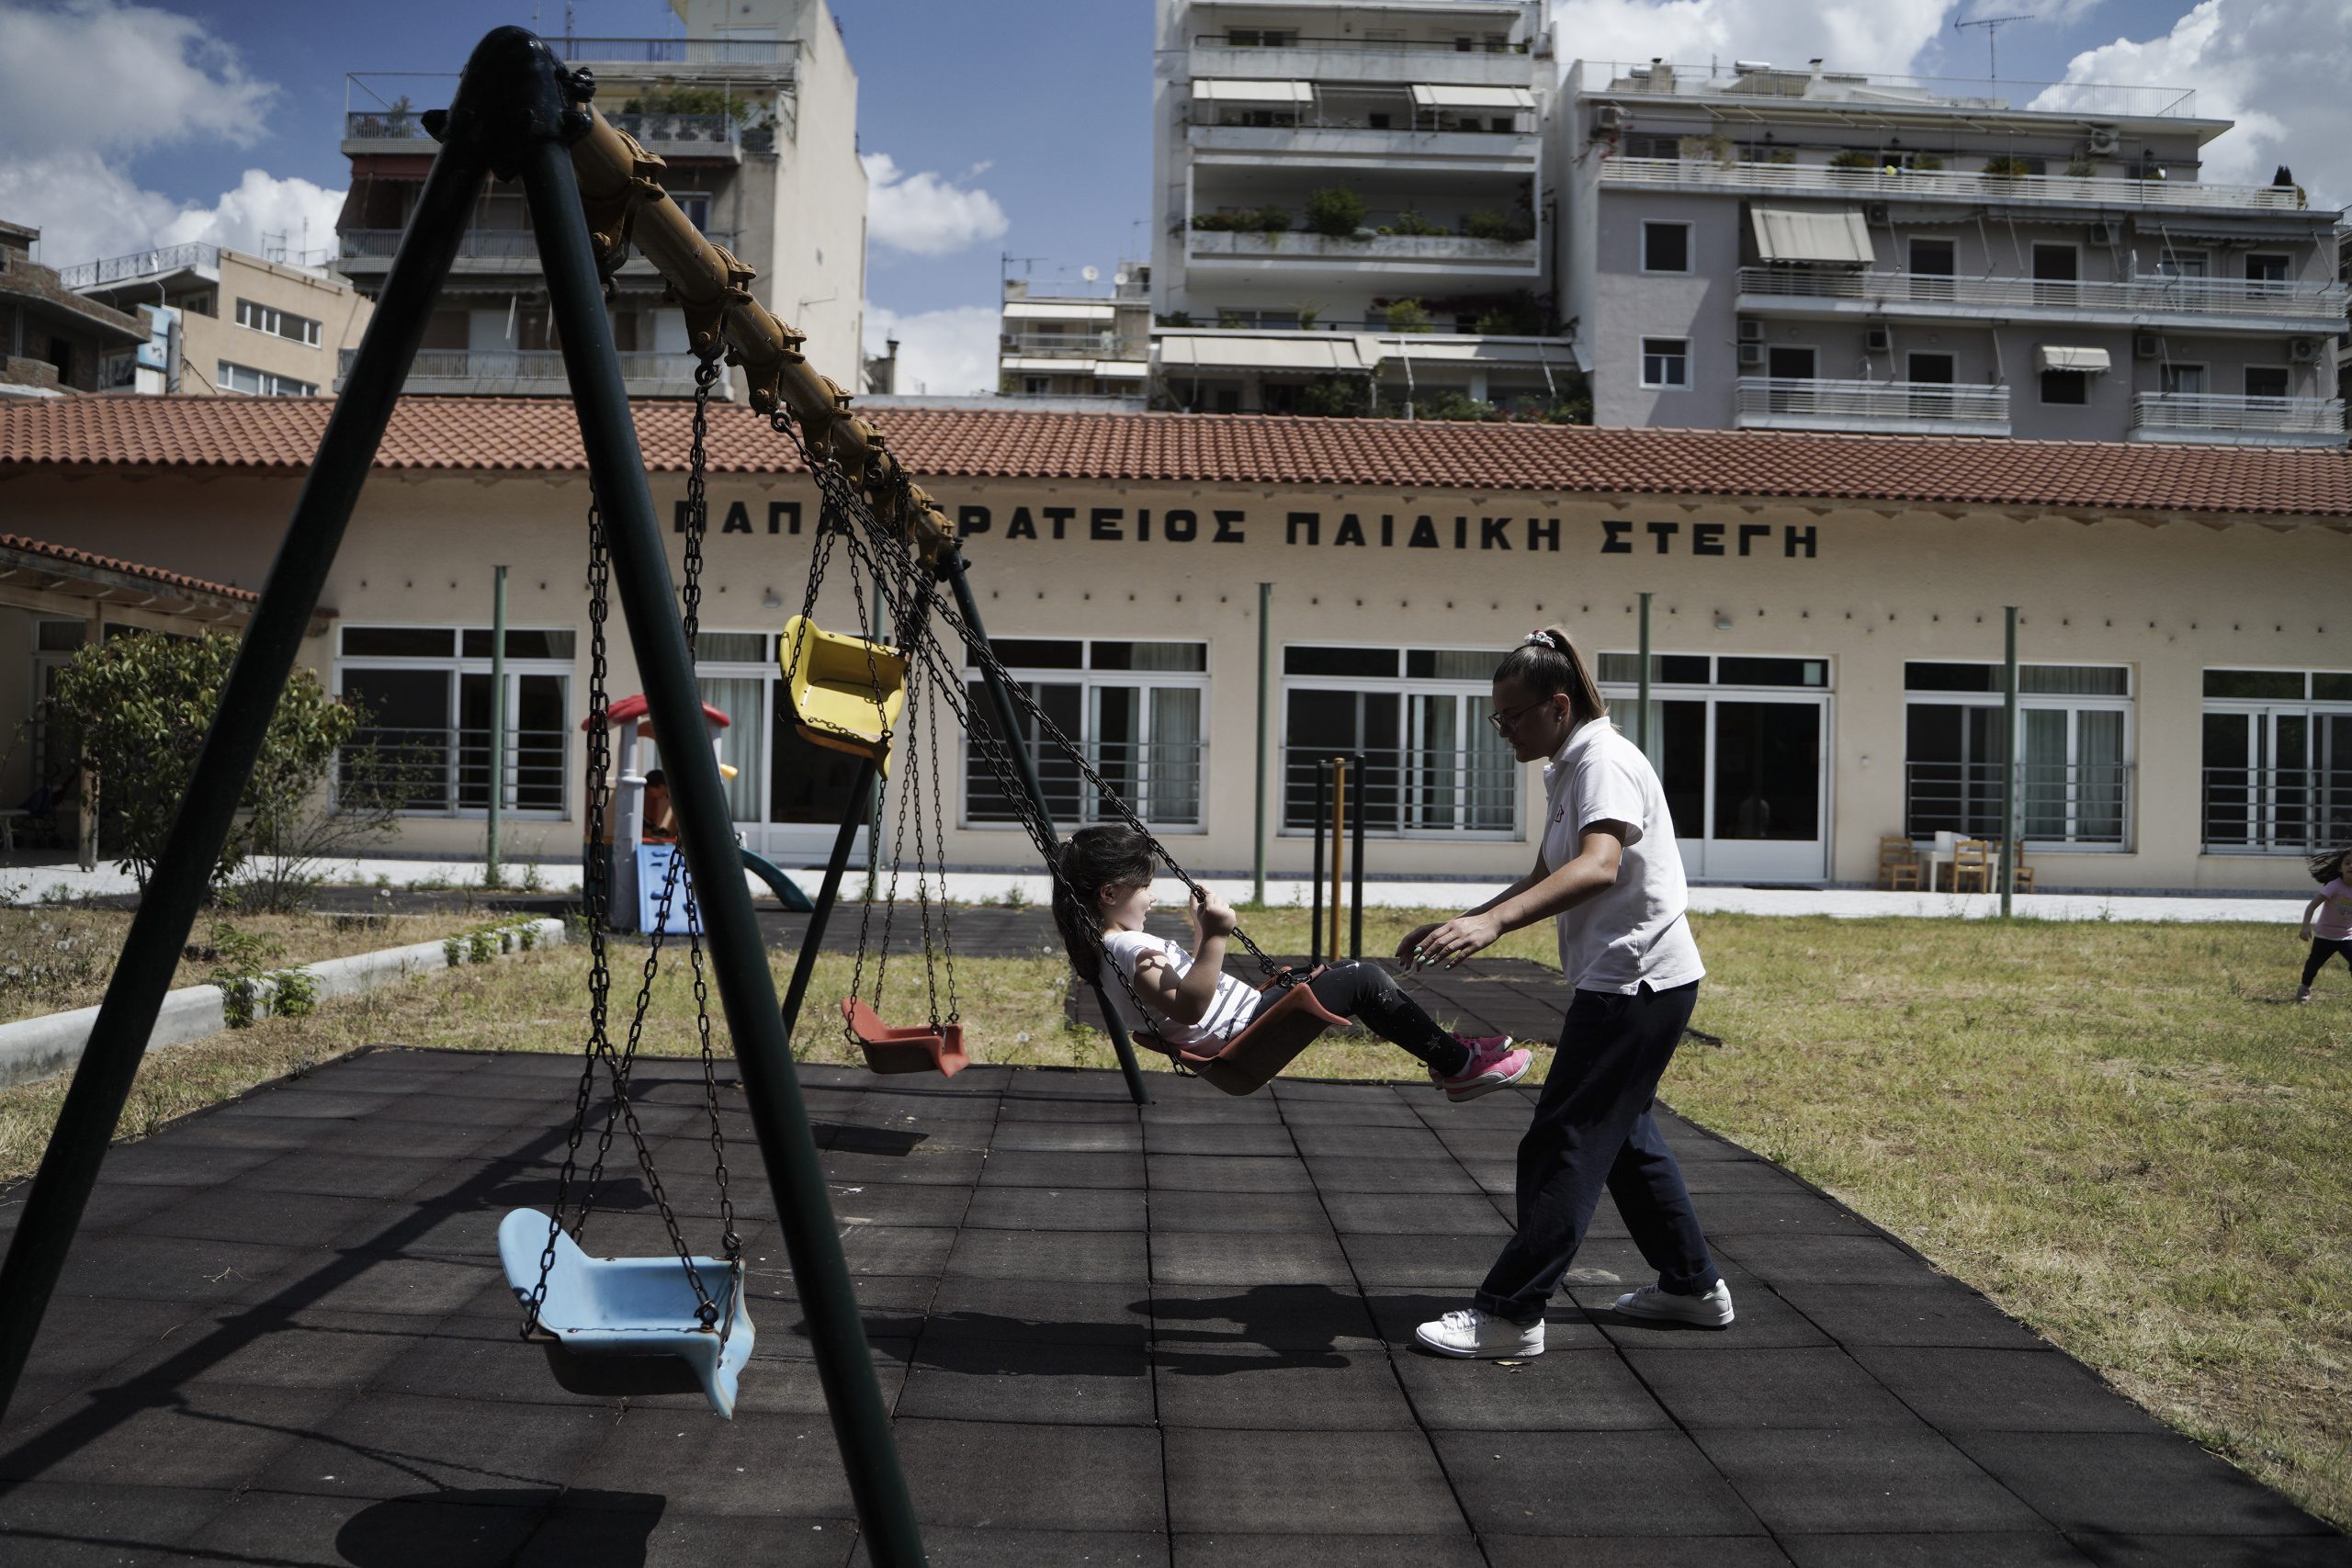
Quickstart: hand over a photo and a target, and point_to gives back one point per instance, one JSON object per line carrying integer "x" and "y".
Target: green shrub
{"x": 1487, "y": 224}
{"x": 1334, "y": 211}
{"x": 1215, "y": 222}
{"x": 1410, "y": 222}
{"x": 1852, "y": 159}
{"x": 296, "y": 993}
{"x": 1270, "y": 219}
{"x": 1408, "y": 316}
{"x": 241, "y": 959}
{"x": 2005, "y": 166}
{"x": 1454, "y": 406}
{"x": 1336, "y": 397}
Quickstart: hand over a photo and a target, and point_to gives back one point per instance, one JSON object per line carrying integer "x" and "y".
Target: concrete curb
{"x": 43, "y": 1047}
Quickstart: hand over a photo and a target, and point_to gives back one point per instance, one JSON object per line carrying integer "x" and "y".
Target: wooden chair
{"x": 1972, "y": 860}
{"x": 2023, "y": 874}
{"x": 1898, "y": 863}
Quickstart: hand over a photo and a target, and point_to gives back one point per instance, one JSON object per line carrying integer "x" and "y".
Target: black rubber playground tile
{"x": 2156, "y": 1483}
{"x": 951, "y": 1546}
{"x": 1067, "y": 1478}
{"x": 1585, "y": 1484}
{"x": 2009, "y": 1390}
{"x": 1229, "y": 1258}
{"x": 1560, "y": 1390}
{"x": 1308, "y": 1483}
{"x": 1414, "y": 1213}
{"x": 1746, "y": 1386}
{"x": 84, "y": 1526}
{"x": 1881, "y": 1479}
{"x": 778, "y": 1466}
{"x": 1290, "y": 1214}
{"x": 1284, "y": 1391}
{"x": 1052, "y": 1208}
{"x": 1400, "y": 1312}
{"x": 1210, "y": 1173}
{"x": 217, "y": 1437}
{"x": 1061, "y": 1257}
{"x": 1038, "y": 1310}
{"x": 2003, "y": 1549}
{"x": 959, "y": 1379}
{"x": 1927, "y": 1311}
{"x": 1213, "y": 1318}
{"x": 2137, "y": 1551}
{"x": 654, "y": 1532}
{"x": 1354, "y": 1173}
{"x": 1231, "y": 1550}
{"x": 1026, "y": 1167}
{"x": 1219, "y": 1138}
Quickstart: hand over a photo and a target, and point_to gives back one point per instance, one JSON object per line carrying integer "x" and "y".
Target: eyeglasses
{"x": 1504, "y": 718}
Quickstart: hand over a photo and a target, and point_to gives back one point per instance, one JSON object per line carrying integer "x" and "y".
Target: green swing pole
{"x": 1008, "y": 722}
{"x": 1641, "y": 695}
{"x": 547, "y": 99}
{"x": 2009, "y": 749}
{"x": 1258, "y": 835}
{"x": 489, "y": 874}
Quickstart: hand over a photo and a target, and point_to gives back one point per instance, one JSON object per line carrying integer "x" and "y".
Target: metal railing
{"x": 1767, "y": 399}
{"x": 382, "y": 244}
{"x": 1164, "y": 782}
{"x": 1075, "y": 345}
{"x": 138, "y": 263}
{"x": 490, "y": 370}
{"x": 383, "y": 124}
{"x": 1873, "y": 90}
{"x": 676, "y": 51}
{"x": 2275, "y": 810}
{"x": 1409, "y": 791}
{"x": 1298, "y": 245}
{"x": 1894, "y": 292}
{"x": 1944, "y": 184}
{"x": 665, "y": 129}
{"x": 2058, "y": 803}
{"x": 1389, "y": 46}
{"x": 2317, "y": 419}
{"x": 446, "y": 771}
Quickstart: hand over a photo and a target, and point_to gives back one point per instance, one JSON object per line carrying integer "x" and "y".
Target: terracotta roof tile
{"x": 67, "y": 554}
{"x": 537, "y": 435}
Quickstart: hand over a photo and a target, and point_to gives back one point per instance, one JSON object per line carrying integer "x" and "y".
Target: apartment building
{"x": 1767, "y": 248}
{"x": 1062, "y": 344}
{"x": 754, "y": 113}
{"x": 1354, "y": 206}
{"x": 221, "y": 321}
{"x": 52, "y": 342}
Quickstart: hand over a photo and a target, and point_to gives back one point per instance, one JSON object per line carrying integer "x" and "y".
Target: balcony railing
{"x": 493, "y": 371}
{"x": 1412, "y": 790}
{"x": 2314, "y": 307}
{"x": 2254, "y": 421}
{"x": 680, "y": 129}
{"x": 676, "y": 51}
{"x": 1776, "y": 403}
{"x": 1073, "y": 346}
{"x": 446, "y": 772}
{"x": 475, "y": 244}
{"x": 2275, "y": 810}
{"x": 1364, "y": 60}
{"x": 1972, "y": 186}
{"x": 1297, "y": 246}
{"x": 1884, "y": 95}
{"x": 2087, "y": 804}
{"x": 1163, "y": 780}
{"x": 384, "y": 125}
{"x": 140, "y": 264}
{"x": 1353, "y": 144}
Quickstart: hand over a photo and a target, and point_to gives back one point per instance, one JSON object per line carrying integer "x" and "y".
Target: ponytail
{"x": 1088, "y": 862}
{"x": 1545, "y": 663}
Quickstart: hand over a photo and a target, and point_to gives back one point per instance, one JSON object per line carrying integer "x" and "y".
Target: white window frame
{"x": 1689, "y": 248}
{"x": 2286, "y": 371}
{"x": 1473, "y": 694}
{"x": 456, "y": 666}
{"x": 2174, "y": 367}
{"x": 1685, "y": 356}
{"x": 1091, "y": 683}
{"x": 2263, "y": 712}
{"x": 254, "y": 316}
{"x": 267, "y": 383}
{"x": 2072, "y": 704}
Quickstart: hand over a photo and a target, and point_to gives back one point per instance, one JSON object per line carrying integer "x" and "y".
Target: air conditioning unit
{"x": 2146, "y": 345}
{"x": 1877, "y": 340}
{"x": 1612, "y": 118}
{"x": 2104, "y": 141}
{"x": 1751, "y": 356}
{"x": 1873, "y": 212}
{"x": 2303, "y": 350}
{"x": 2105, "y": 235}
{"x": 1751, "y": 332}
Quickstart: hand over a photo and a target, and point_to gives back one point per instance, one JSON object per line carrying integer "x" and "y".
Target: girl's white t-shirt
{"x": 1635, "y": 933}
{"x": 1227, "y": 1011}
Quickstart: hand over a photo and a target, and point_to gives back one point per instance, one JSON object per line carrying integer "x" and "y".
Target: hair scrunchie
{"x": 1543, "y": 636}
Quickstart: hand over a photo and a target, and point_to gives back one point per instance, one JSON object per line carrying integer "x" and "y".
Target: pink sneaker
{"x": 1494, "y": 1064}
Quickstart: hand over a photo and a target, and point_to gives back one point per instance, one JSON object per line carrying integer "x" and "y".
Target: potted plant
{"x": 1853, "y": 159}
{"x": 1270, "y": 219}
{"x": 1408, "y": 316}
{"x": 2005, "y": 166}
{"x": 1334, "y": 211}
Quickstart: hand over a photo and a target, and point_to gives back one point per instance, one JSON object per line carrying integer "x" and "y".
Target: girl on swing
{"x": 1103, "y": 893}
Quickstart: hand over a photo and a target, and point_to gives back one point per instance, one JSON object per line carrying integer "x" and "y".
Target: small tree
{"x": 1408, "y": 316}
{"x": 134, "y": 711}
{"x": 1335, "y": 211}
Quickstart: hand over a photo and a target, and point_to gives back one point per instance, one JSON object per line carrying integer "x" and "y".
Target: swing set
{"x": 632, "y": 1325}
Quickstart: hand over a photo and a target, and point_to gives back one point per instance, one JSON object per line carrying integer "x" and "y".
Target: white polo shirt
{"x": 1635, "y": 933}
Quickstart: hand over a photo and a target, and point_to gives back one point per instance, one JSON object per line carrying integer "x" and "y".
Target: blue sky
{"x": 1042, "y": 105}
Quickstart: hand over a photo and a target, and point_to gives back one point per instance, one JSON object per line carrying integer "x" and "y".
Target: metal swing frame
{"x": 516, "y": 113}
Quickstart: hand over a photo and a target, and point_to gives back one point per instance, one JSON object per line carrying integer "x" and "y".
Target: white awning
{"x": 1441, "y": 96}
{"x": 1220, "y": 90}
{"x": 1051, "y": 366}
{"x": 1049, "y": 310}
{"x": 2090, "y": 361}
{"x": 1201, "y": 352}
{"x": 1121, "y": 370}
{"x": 1834, "y": 237}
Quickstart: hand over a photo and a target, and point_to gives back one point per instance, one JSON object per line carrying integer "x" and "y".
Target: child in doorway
{"x": 2327, "y": 919}
{"x": 1103, "y": 893}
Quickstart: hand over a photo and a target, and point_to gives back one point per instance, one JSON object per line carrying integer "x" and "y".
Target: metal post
{"x": 706, "y": 837}
{"x": 1258, "y": 836}
{"x": 1355, "y": 896}
{"x": 1339, "y": 844}
{"x": 1314, "y": 878}
{"x": 1008, "y": 722}
{"x": 861, "y": 794}
{"x": 1642, "y": 694}
{"x": 151, "y": 951}
{"x": 497, "y": 721}
{"x": 2009, "y": 749}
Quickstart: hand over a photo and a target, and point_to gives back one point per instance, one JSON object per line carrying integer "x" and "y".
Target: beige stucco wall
{"x": 1880, "y": 585}
{"x": 341, "y": 311}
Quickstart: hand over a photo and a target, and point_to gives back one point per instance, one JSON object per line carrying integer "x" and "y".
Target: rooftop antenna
{"x": 1992, "y": 26}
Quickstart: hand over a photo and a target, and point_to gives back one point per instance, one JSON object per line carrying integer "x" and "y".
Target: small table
{"x": 1932, "y": 857}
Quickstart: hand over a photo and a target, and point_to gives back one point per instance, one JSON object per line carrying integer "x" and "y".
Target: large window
{"x": 1665, "y": 362}
{"x": 270, "y": 318}
{"x": 2278, "y": 761}
{"x": 235, "y": 378}
{"x": 2075, "y": 723}
{"x": 1417, "y": 717}
{"x": 1136, "y": 710}
{"x": 1665, "y": 247}
{"x": 427, "y": 692}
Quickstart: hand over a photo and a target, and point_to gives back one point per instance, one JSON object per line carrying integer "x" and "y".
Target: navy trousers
{"x": 1593, "y": 1129}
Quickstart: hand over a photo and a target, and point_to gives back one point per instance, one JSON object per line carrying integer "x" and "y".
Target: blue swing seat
{"x": 626, "y": 1326}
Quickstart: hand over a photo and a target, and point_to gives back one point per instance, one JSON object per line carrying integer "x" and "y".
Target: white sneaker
{"x": 1472, "y": 1335}
{"x": 2304, "y": 995}
{"x": 1709, "y": 1311}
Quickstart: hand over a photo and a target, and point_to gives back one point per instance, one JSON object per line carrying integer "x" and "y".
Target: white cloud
{"x": 949, "y": 353}
{"x": 925, "y": 213}
{"x": 2278, "y": 67}
{"x": 89, "y": 82}
{"x": 1850, "y": 35}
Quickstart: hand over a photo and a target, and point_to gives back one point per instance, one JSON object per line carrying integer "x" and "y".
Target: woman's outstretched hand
{"x": 1450, "y": 942}
{"x": 1409, "y": 951}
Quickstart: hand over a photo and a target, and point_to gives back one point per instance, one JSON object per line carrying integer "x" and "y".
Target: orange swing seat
{"x": 918, "y": 1050}
{"x": 1252, "y": 1059}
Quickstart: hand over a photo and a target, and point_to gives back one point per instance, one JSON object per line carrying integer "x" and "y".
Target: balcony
{"x": 1073, "y": 346}
{"x": 537, "y": 373}
{"x": 480, "y": 252}
{"x": 2180, "y": 303}
{"x": 2261, "y": 811}
{"x": 2213, "y": 420}
{"x": 686, "y": 135}
{"x": 1911, "y": 408}
{"x": 1363, "y": 60}
{"x": 1349, "y": 146}
{"x": 1440, "y": 256}
{"x": 1974, "y": 188}
{"x": 158, "y": 264}
{"x": 726, "y": 56}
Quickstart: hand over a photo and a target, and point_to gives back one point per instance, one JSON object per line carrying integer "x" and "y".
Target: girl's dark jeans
{"x": 2323, "y": 949}
{"x": 1355, "y": 989}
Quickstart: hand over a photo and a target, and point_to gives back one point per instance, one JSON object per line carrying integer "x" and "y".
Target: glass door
{"x": 1747, "y": 783}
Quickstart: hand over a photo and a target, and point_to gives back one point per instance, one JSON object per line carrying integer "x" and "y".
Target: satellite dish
{"x": 1089, "y": 273}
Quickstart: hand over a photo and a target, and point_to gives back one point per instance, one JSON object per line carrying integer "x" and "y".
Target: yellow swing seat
{"x": 832, "y": 679}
